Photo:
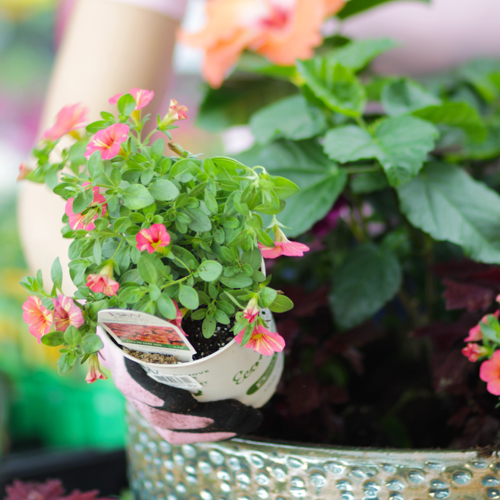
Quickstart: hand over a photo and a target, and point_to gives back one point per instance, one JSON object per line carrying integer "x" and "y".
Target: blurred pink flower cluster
{"x": 52, "y": 489}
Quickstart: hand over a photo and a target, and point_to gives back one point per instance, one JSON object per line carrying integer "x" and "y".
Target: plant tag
{"x": 180, "y": 381}
{"x": 144, "y": 332}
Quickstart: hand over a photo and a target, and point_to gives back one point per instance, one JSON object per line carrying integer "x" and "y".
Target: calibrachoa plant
{"x": 171, "y": 236}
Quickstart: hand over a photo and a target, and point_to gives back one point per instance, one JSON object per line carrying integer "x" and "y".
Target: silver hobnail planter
{"x": 241, "y": 469}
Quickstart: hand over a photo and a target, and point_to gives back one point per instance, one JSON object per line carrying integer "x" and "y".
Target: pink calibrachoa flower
{"x": 66, "y": 313}
{"x": 475, "y": 333}
{"x": 94, "y": 371}
{"x": 153, "y": 238}
{"x": 251, "y": 311}
{"x": 175, "y": 112}
{"x": 103, "y": 282}
{"x": 24, "y": 171}
{"x": 283, "y": 246}
{"x": 263, "y": 341}
{"x": 68, "y": 119}
{"x": 85, "y": 219}
{"x": 38, "y": 317}
{"x": 473, "y": 351}
{"x": 108, "y": 141}
{"x": 179, "y": 316}
{"x": 490, "y": 373}
{"x": 142, "y": 97}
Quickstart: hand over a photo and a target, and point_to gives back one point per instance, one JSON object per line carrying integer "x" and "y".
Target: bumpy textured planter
{"x": 241, "y": 469}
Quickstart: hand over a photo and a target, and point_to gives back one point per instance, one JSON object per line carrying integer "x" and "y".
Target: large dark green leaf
{"x": 400, "y": 144}
{"x": 334, "y": 85}
{"x": 289, "y": 118}
{"x": 237, "y": 100}
{"x": 404, "y": 96}
{"x": 358, "y": 53}
{"x": 136, "y": 196}
{"x": 319, "y": 179}
{"x": 355, "y": 6}
{"x": 447, "y": 203}
{"x": 368, "y": 278}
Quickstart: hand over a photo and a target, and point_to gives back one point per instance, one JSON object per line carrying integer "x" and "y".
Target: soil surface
{"x": 152, "y": 357}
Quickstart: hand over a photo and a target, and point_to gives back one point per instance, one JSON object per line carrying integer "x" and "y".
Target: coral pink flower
{"x": 263, "y": 341}
{"x": 153, "y": 238}
{"x": 37, "y": 316}
{"x": 251, "y": 311}
{"x": 179, "y": 316}
{"x": 66, "y": 313}
{"x": 142, "y": 97}
{"x": 108, "y": 141}
{"x": 490, "y": 373}
{"x": 281, "y": 30}
{"x": 68, "y": 119}
{"x": 24, "y": 171}
{"x": 475, "y": 333}
{"x": 175, "y": 112}
{"x": 94, "y": 371}
{"x": 283, "y": 246}
{"x": 473, "y": 351}
{"x": 103, "y": 282}
{"x": 85, "y": 219}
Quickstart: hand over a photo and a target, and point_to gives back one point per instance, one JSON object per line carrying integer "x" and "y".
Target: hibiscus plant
{"x": 399, "y": 203}
{"x": 181, "y": 236}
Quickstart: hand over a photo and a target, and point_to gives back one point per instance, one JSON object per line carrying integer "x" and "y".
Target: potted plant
{"x": 166, "y": 256}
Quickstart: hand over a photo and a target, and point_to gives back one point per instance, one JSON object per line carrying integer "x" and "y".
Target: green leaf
{"x": 166, "y": 306}
{"x": 136, "y": 196}
{"x": 188, "y": 297}
{"x": 126, "y": 104}
{"x": 56, "y": 273}
{"x": 334, "y": 85}
{"x": 199, "y": 220}
{"x": 72, "y": 336}
{"x": 239, "y": 280}
{"x": 157, "y": 149}
{"x": 281, "y": 304}
{"x": 447, "y": 203}
{"x": 235, "y": 101}
{"x": 400, "y": 144}
{"x": 267, "y": 296}
{"x": 94, "y": 165}
{"x": 404, "y": 96}
{"x": 164, "y": 190}
{"x": 210, "y": 270}
{"x": 147, "y": 268}
{"x": 97, "y": 252}
{"x": 369, "y": 182}
{"x": 356, "y": 6}
{"x": 284, "y": 188}
{"x": 91, "y": 343}
{"x": 66, "y": 362}
{"x": 369, "y": 277}
{"x": 208, "y": 326}
{"x": 358, "y": 53}
{"x": 53, "y": 339}
{"x": 319, "y": 179}
{"x": 455, "y": 114}
{"x": 289, "y": 118}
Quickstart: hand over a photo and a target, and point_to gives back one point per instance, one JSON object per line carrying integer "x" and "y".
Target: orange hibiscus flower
{"x": 281, "y": 30}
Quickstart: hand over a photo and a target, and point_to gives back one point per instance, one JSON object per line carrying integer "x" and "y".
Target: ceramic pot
{"x": 244, "y": 469}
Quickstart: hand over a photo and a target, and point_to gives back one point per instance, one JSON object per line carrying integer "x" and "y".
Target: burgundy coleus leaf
{"x": 450, "y": 371}
{"x": 303, "y": 395}
{"x": 50, "y": 490}
{"x": 467, "y": 296}
{"x": 445, "y": 335}
{"x": 480, "y": 430}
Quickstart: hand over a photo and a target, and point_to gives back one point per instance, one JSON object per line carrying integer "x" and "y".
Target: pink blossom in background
{"x": 490, "y": 373}
{"x": 475, "y": 333}
{"x": 251, "y": 311}
{"x": 142, "y": 97}
{"x": 153, "y": 238}
{"x": 283, "y": 246}
{"x": 81, "y": 220}
{"x": 108, "y": 141}
{"x": 66, "y": 313}
{"x": 24, "y": 171}
{"x": 68, "y": 119}
{"x": 37, "y": 317}
{"x": 101, "y": 283}
{"x": 263, "y": 341}
{"x": 473, "y": 351}
{"x": 94, "y": 372}
{"x": 329, "y": 221}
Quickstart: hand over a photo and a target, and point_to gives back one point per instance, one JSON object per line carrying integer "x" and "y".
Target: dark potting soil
{"x": 204, "y": 347}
